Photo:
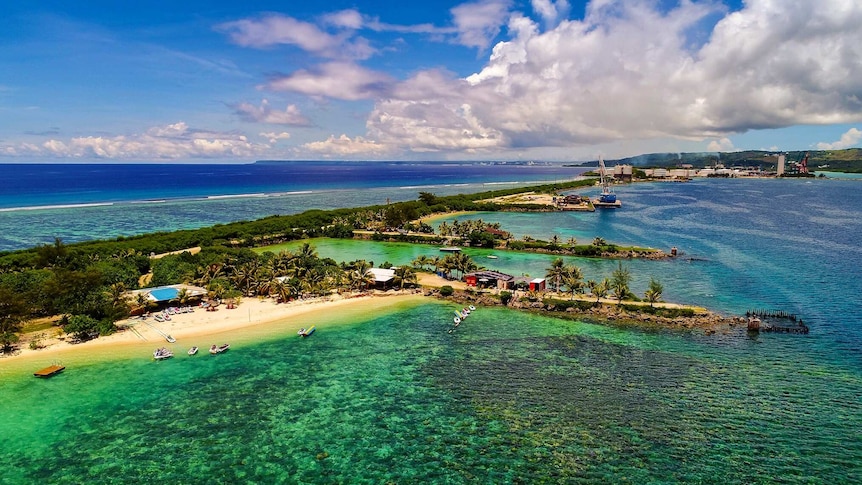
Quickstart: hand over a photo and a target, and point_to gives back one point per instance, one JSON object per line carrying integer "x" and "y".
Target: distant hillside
{"x": 849, "y": 160}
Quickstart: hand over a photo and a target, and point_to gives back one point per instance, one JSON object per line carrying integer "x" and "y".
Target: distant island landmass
{"x": 847, "y": 160}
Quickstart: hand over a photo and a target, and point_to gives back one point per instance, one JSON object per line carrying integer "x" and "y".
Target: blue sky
{"x": 438, "y": 80}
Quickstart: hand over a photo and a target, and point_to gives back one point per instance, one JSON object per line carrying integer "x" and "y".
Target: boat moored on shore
{"x": 162, "y": 353}
{"x": 218, "y": 349}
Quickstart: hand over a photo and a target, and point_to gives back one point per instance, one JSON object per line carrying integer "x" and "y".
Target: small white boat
{"x": 217, "y": 349}
{"x": 193, "y": 351}
{"x": 162, "y": 353}
{"x": 472, "y": 308}
{"x": 170, "y": 339}
{"x": 491, "y": 256}
{"x": 457, "y": 320}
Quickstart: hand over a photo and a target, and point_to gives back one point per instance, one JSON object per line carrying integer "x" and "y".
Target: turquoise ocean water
{"x": 391, "y": 397}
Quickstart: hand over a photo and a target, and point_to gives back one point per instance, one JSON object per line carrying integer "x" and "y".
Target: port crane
{"x": 803, "y": 164}
{"x": 607, "y": 195}
{"x": 607, "y": 198}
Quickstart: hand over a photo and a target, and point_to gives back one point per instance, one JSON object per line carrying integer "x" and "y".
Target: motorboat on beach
{"x": 217, "y": 349}
{"x": 162, "y": 353}
{"x": 193, "y": 351}
{"x": 305, "y": 332}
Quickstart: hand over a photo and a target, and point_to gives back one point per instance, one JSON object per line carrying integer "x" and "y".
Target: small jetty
{"x": 775, "y": 321}
{"x": 163, "y": 334}
{"x": 50, "y": 371}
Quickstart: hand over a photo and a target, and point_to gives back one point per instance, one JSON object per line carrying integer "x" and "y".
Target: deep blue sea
{"x": 84, "y": 201}
{"x": 511, "y": 397}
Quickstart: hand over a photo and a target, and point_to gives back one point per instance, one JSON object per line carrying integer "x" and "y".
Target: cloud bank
{"x": 171, "y": 142}
{"x": 627, "y": 71}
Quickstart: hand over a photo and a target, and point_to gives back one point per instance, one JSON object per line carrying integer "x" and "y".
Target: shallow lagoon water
{"x": 509, "y": 397}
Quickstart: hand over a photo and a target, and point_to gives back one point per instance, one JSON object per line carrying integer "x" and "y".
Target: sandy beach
{"x": 252, "y": 318}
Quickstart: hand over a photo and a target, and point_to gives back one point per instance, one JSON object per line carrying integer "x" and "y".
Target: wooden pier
{"x": 49, "y": 371}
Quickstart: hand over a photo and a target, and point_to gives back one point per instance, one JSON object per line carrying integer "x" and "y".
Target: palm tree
{"x": 295, "y": 287}
{"x": 141, "y": 300}
{"x": 555, "y": 240}
{"x": 572, "y": 280}
{"x": 600, "y": 289}
{"x": 307, "y": 251}
{"x": 405, "y": 274}
{"x": 459, "y": 262}
{"x": 183, "y": 296}
{"x": 282, "y": 262}
{"x": 280, "y": 290}
{"x": 245, "y": 277}
{"x": 267, "y": 281}
{"x": 204, "y": 274}
{"x": 435, "y": 261}
{"x": 653, "y": 293}
{"x": 421, "y": 261}
{"x": 117, "y": 293}
{"x": 361, "y": 278}
{"x": 599, "y": 242}
{"x": 556, "y": 272}
{"x": 619, "y": 283}
{"x": 316, "y": 282}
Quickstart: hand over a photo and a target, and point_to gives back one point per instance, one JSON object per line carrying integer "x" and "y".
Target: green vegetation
{"x": 653, "y": 292}
{"x": 563, "y": 305}
{"x": 619, "y": 283}
{"x": 598, "y": 248}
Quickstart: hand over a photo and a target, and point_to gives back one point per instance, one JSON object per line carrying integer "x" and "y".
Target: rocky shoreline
{"x": 605, "y": 313}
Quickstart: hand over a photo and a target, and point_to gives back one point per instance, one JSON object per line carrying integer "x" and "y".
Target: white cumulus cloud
{"x": 346, "y": 147}
{"x": 339, "y": 80}
{"x": 550, "y": 11}
{"x": 275, "y": 137}
{"x": 720, "y": 145}
{"x": 280, "y": 29}
{"x": 265, "y": 114}
{"x": 479, "y": 22}
{"x": 850, "y": 138}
